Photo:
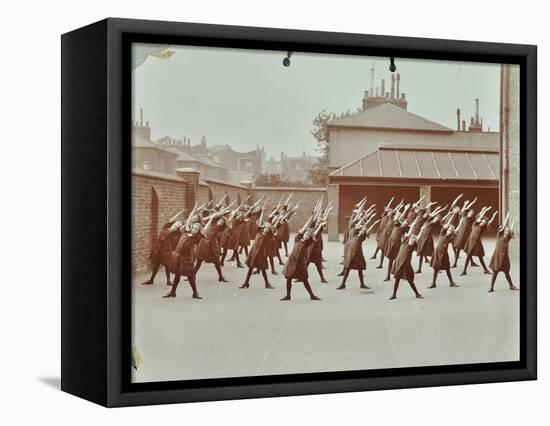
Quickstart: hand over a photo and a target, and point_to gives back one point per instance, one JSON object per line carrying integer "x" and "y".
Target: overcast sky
{"x": 246, "y": 97}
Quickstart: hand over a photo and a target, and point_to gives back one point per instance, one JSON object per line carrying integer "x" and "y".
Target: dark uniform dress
{"x": 464, "y": 231}
{"x": 420, "y": 219}
{"x": 402, "y": 268}
{"x": 381, "y": 227}
{"x": 208, "y": 249}
{"x": 183, "y": 259}
{"x": 440, "y": 259}
{"x": 257, "y": 256}
{"x": 425, "y": 243}
{"x": 166, "y": 243}
{"x": 500, "y": 261}
{"x": 232, "y": 235}
{"x": 474, "y": 246}
{"x": 252, "y": 225}
{"x": 284, "y": 232}
{"x": 353, "y": 255}
{"x": 273, "y": 244}
{"x": 244, "y": 237}
{"x": 296, "y": 267}
{"x": 350, "y": 226}
{"x": 388, "y": 227}
{"x": 394, "y": 240}
{"x": 316, "y": 249}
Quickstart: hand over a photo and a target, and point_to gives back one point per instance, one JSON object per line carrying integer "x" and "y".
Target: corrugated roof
{"x": 389, "y": 116}
{"x": 406, "y": 162}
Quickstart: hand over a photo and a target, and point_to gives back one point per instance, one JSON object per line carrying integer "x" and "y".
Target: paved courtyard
{"x": 234, "y": 332}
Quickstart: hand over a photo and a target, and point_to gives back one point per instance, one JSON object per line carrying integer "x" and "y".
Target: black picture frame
{"x": 96, "y": 192}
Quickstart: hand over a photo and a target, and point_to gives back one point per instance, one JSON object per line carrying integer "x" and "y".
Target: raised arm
{"x": 455, "y": 201}
{"x": 177, "y": 215}
{"x": 492, "y": 219}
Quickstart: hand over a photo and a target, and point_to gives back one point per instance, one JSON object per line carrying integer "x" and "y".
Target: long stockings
{"x": 390, "y": 264}
{"x": 508, "y": 278}
{"x": 216, "y": 265}
{"x": 156, "y": 268}
{"x": 192, "y": 283}
{"x": 346, "y": 274}
{"x": 411, "y": 283}
{"x": 469, "y": 259}
{"x": 306, "y": 285}
{"x": 449, "y": 277}
{"x": 249, "y": 274}
{"x": 319, "y": 267}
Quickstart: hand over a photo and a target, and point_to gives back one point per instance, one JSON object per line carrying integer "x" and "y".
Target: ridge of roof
{"x": 389, "y": 116}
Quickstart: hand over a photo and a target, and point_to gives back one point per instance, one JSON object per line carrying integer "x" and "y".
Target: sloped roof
{"x": 389, "y": 116}
{"x": 419, "y": 162}
{"x": 138, "y": 141}
{"x": 183, "y": 156}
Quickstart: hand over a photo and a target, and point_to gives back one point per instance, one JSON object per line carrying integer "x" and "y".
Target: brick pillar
{"x": 191, "y": 177}
{"x": 333, "y": 195}
{"x": 427, "y": 192}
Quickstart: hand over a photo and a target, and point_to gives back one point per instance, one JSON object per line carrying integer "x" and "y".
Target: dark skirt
{"x": 500, "y": 260}
{"x": 440, "y": 259}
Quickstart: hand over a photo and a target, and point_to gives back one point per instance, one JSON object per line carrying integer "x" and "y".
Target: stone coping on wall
{"x": 221, "y": 182}
{"x": 157, "y": 175}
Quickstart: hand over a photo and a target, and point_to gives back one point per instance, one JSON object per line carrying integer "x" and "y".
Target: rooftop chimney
{"x": 397, "y": 90}
{"x": 463, "y": 125}
{"x": 392, "y": 86}
{"x": 383, "y": 87}
{"x": 458, "y": 119}
{"x": 477, "y": 111}
{"x": 141, "y": 117}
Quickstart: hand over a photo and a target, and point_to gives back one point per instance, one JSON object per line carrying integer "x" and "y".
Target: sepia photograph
{"x": 298, "y": 212}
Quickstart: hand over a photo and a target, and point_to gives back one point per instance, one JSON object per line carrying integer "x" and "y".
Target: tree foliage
{"x": 318, "y": 173}
{"x": 266, "y": 179}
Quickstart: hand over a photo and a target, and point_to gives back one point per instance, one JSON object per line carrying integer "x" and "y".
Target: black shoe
{"x": 342, "y": 287}
{"x": 222, "y": 280}
{"x": 148, "y": 282}
{"x": 269, "y": 286}
{"x": 196, "y": 296}
{"x": 169, "y": 295}
{"x": 315, "y": 298}
{"x": 285, "y": 298}
{"x": 244, "y": 286}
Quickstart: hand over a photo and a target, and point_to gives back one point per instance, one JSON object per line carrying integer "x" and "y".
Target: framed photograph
{"x": 255, "y": 212}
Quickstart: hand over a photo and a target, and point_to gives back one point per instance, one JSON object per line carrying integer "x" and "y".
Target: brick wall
{"x": 156, "y": 198}
{"x": 234, "y": 192}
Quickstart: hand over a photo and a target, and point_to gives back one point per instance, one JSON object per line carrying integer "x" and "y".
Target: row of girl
{"x": 210, "y": 232}
{"x": 408, "y": 228}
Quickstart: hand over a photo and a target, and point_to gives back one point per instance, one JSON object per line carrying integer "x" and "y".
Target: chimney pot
{"x": 397, "y": 89}
{"x": 392, "y": 86}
